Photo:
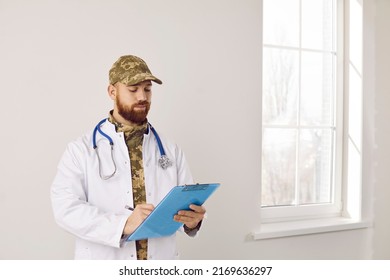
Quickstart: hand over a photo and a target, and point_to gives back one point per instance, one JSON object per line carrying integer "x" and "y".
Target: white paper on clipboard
{"x": 160, "y": 221}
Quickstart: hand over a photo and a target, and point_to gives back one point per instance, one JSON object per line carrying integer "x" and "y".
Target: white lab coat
{"x": 94, "y": 209}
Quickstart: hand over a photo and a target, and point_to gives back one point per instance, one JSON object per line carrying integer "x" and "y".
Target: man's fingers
{"x": 143, "y": 210}
{"x": 145, "y": 206}
{"x": 190, "y": 214}
{"x": 183, "y": 219}
{"x": 198, "y": 208}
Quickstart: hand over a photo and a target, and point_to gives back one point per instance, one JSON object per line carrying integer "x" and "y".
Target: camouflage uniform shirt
{"x": 134, "y": 136}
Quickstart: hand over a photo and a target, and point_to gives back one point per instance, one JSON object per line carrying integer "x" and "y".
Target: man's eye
{"x": 132, "y": 89}
{"x": 148, "y": 89}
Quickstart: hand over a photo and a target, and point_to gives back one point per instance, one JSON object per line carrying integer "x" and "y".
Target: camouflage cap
{"x": 131, "y": 70}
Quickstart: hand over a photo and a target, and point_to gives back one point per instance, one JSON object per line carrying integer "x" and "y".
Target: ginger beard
{"x": 135, "y": 113}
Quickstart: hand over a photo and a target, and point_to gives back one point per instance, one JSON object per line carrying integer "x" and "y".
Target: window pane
{"x": 298, "y": 99}
{"x": 317, "y": 24}
{"x": 315, "y": 165}
{"x": 280, "y": 86}
{"x": 317, "y": 89}
{"x": 279, "y": 166}
{"x": 281, "y": 22}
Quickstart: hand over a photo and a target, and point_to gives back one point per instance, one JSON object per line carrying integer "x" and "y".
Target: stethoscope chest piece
{"x": 164, "y": 162}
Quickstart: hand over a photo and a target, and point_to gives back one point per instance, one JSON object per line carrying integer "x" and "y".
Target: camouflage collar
{"x": 132, "y": 129}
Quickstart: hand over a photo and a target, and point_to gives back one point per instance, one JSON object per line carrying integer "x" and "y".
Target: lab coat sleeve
{"x": 71, "y": 208}
{"x": 184, "y": 177}
{"x": 183, "y": 171}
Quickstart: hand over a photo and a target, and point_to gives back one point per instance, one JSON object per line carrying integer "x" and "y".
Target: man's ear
{"x": 111, "y": 90}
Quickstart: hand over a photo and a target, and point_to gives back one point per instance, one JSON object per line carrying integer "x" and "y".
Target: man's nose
{"x": 141, "y": 95}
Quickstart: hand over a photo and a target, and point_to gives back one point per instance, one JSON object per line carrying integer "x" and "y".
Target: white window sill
{"x": 294, "y": 228}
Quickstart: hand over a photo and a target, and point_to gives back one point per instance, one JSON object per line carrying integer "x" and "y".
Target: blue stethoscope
{"x": 163, "y": 161}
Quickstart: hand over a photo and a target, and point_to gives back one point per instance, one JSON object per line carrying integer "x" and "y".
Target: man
{"x": 102, "y": 195}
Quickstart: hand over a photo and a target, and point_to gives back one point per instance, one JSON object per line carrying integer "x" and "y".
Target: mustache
{"x": 142, "y": 103}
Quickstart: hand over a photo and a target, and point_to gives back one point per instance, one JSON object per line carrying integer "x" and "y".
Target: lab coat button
{"x": 149, "y": 194}
{"x": 132, "y": 255}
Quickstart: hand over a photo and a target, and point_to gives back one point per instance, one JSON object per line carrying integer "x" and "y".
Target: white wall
{"x": 381, "y": 241}
{"x": 54, "y": 59}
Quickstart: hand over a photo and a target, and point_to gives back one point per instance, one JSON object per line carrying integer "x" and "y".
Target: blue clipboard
{"x": 160, "y": 221}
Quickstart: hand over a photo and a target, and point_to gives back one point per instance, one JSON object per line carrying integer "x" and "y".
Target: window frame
{"x": 356, "y": 209}
{"x": 335, "y": 208}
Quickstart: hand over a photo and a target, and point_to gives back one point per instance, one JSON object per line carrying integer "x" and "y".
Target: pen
{"x": 129, "y": 208}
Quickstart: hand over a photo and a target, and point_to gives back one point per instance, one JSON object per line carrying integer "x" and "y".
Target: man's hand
{"x": 141, "y": 211}
{"x": 191, "y": 218}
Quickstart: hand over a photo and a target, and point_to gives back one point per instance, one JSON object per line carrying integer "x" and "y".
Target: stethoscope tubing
{"x": 159, "y": 143}
{"x": 97, "y": 128}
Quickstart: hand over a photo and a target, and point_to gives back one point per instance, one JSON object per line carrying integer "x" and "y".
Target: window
{"x": 304, "y": 105}
{"x": 312, "y": 118}
{"x": 299, "y": 104}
